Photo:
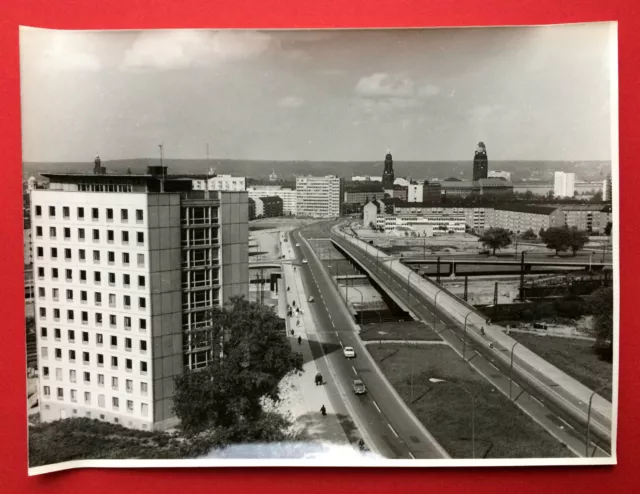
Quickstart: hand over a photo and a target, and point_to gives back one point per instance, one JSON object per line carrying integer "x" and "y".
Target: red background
{"x": 133, "y": 14}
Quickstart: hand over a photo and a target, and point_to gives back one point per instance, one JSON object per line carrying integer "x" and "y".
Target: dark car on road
{"x": 359, "y": 387}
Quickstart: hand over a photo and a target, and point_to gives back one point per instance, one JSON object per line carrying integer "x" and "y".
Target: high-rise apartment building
{"x": 126, "y": 269}
{"x": 607, "y": 189}
{"x": 564, "y": 184}
{"x": 319, "y": 197}
{"x": 288, "y": 196}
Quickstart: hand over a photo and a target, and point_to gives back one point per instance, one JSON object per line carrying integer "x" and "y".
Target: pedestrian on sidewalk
{"x": 324, "y": 411}
{"x": 299, "y": 340}
{"x": 292, "y": 332}
{"x": 298, "y": 322}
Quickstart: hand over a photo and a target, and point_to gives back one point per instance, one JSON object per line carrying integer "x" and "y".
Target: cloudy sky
{"x": 529, "y": 93}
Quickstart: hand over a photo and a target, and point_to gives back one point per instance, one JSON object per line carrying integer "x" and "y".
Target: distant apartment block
{"x": 499, "y": 174}
{"x": 126, "y": 269}
{"x": 225, "y": 183}
{"x": 607, "y": 189}
{"x": 288, "y": 196}
{"x": 319, "y": 197}
{"x": 268, "y": 207}
{"x": 564, "y": 184}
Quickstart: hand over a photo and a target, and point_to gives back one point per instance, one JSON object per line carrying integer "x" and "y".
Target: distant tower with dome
{"x": 388, "y": 176}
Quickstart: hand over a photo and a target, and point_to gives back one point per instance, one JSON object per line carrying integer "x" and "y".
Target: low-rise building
{"x": 495, "y": 186}
{"x": 459, "y": 188}
{"x": 499, "y": 174}
{"x": 271, "y": 206}
{"x": 592, "y": 218}
{"x": 519, "y": 218}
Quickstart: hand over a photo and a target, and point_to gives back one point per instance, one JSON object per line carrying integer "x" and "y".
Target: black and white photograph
{"x": 371, "y": 247}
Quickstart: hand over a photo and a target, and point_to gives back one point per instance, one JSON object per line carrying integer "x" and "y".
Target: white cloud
{"x": 383, "y": 85}
{"x": 184, "y": 48}
{"x": 66, "y": 51}
{"x": 291, "y": 102}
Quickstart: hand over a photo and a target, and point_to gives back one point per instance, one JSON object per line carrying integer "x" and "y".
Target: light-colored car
{"x": 358, "y": 387}
{"x": 297, "y": 245}
{"x": 349, "y": 352}
{"x": 304, "y": 261}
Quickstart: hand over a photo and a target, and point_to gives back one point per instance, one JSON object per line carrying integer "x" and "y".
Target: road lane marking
{"x": 537, "y": 400}
{"x": 392, "y": 430}
{"x": 336, "y": 333}
{"x": 354, "y": 370}
{"x": 341, "y": 343}
{"x": 376, "y": 405}
{"x": 411, "y": 455}
{"x": 492, "y": 365}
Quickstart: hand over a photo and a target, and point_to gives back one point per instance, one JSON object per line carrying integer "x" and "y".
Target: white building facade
{"x": 319, "y": 197}
{"x": 564, "y": 184}
{"x": 415, "y": 192}
{"x": 221, "y": 182}
{"x": 288, "y": 196}
{"x": 499, "y": 174}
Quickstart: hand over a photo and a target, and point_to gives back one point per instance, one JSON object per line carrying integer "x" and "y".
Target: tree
{"x": 495, "y": 238}
{"x": 249, "y": 355}
{"x": 579, "y": 238}
{"x": 557, "y": 238}
{"x": 601, "y": 304}
{"x": 597, "y": 197}
{"x": 608, "y": 228}
{"x": 529, "y": 235}
{"x": 372, "y": 226}
{"x": 541, "y": 232}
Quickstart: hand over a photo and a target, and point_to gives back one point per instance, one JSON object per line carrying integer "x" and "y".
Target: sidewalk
{"x": 301, "y": 398}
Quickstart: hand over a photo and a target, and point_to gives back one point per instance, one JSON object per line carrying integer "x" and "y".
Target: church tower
{"x": 480, "y": 162}
{"x": 388, "y": 176}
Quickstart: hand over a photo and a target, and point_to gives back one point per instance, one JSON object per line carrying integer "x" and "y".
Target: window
{"x": 87, "y": 398}
{"x": 58, "y": 374}
{"x": 144, "y": 389}
{"x": 69, "y": 295}
{"x": 67, "y": 233}
{"x": 98, "y": 319}
{"x": 84, "y": 317}
{"x": 81, "y": 234}
{"x": 54, "y": 273}
{"x": 110, "y": 236}
{"x": 128, "y": 365}
{"x": 39, "y": 252}
{"x": 41, "y": 292}
{"x": 143, "y": 368}
{"x": 52, "y": 211}
{"x": 97, "y": 298}
{"x": 46, "y": 390}
{"x": 54, "y": 253}
{"x": 60, "y": 393}
{"x": 100, "y": 380}
{"x": 57, "y": 334}
{"x": 140, "y": 238}
{"x": 80, "y": 213}
{"x": 127, "y": 302}
{"x": 109, "y": 214}
{"x": 125, "y": 237}
{"x": 141, "y": 260}
{"x": 124, "y": 215}
{"x": 94, "y": 214}
{"x": 43, "y": 313}
{"x": 96, "y": 256}
{"x": 85, "y": 337}
{"x": 112, "y": 320}
{"x": 38, "y": 210}
{"x": 141, "y": 282}
{"x": 41, "y": 273}
{"x": 71, "y": 336}
{"x": 83, "y": 296}
{"x": 58, "y": 354}
{"x": 56, "y": 312}
{"x": 127, "y": 323}
{"x": 143, "y": 346}
{"x": 125, "y": 258}
{"x": 115, "y": 402}
{"x": 72, "y": 356}
{"x": 65, "y": 211}
{"x": 74, "y": 395}
{"x": 72, "y": 375}
{"x": 144, "y": 409}
{"x": 45, "y": 373}
{"x": 129, "y": 406}
{"x": 82, "y": 255}
{"x": 85, "y": 357}
{"x": 114, "y": 342}
{"x": 129, "y": 386}
{"x": 99, "y": 339}
{"x": 142, "y": 303}
{"x": 114, "y": 362}
{"x": 83, "y": 276}
{"x": 38, "y": 231}
{"x": 43, "y": 333}
{"x": 96, "y": 277}
{"x": 52, "y": 232}
{"x": 127, "y": 344}
{"x": 112, "y": 279}
{"x": 44, "y": 352}
{"x": 114, "y": 383}
{"x": 67, "y": 254}
{"x": 112, "y": 298}
{"x": 68, "y": 275}
{"x": 101, "y": 403}
{"x": 100, "y": 358}
{"x": 143, "y": 324}
{"x": 126, "y": 280}
{"x": 96, "y": 235}
{"x": 111, "y": 257}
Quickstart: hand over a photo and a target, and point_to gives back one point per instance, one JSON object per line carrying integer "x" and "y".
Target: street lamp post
{"x": 435, "y": 306}
{"x": 473, "y": 412}
{"x": 361, "y": 303}
{"x": 464, "y": 336}
{"x": 586, "y": 442}
{"x": 511, "y": 368}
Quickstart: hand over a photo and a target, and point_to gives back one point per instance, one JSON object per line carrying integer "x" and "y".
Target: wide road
{"x": 394, "y": 430}
{"x": 485, "y": 361}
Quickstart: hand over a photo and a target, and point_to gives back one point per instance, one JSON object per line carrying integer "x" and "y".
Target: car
{"x": 358, "y": 387}
{"x": 304, "y": 261}
{"x": 297, "y": 245}
{"x": 349, "y": 352}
